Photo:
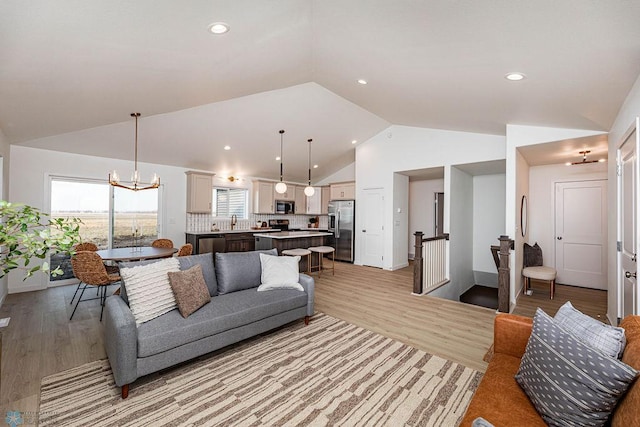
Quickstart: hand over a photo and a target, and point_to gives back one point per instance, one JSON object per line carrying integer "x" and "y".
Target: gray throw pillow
{"x": 567, "y": 381}
{"x": 606, "y": 338}
{"x": 236, "y": 271}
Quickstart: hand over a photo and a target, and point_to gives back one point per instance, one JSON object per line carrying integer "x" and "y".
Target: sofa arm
{"x": 121, "y": 340}
{"x": 308, "y": 284}
{"x": 511, "y": 334}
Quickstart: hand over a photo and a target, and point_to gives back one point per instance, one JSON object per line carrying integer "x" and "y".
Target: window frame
{"x": 214, "y": 202}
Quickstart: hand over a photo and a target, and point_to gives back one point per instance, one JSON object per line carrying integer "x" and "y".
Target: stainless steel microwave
{"x": 285, "y": 207}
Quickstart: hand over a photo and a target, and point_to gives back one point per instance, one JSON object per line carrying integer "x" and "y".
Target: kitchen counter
{"x": 246, "y": 230}
{"x": 302, "y": 234}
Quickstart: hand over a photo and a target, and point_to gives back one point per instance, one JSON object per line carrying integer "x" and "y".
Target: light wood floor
{"x": 40, "y": 340}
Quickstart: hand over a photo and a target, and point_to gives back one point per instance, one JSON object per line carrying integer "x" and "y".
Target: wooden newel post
{"x": 504, "y": 274}
{"x": 417, "y": 264}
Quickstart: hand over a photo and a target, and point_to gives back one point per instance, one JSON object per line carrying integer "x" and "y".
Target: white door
{"x": 372, "y": 227}
{"x": 628, "y": 222}
{"x": 581, "y": 233}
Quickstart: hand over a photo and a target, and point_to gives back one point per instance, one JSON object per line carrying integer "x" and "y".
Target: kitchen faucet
{"x": 234, "y": 220}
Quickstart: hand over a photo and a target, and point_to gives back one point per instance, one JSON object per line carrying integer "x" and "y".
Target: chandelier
{"x": 136, "y": 184}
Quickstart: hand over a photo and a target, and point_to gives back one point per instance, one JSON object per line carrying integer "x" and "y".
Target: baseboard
{"x": 398, "y": 267}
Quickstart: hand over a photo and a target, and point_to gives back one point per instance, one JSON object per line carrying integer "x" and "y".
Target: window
{"x": 230, "y": 201}
{"x": 110, "y": 216}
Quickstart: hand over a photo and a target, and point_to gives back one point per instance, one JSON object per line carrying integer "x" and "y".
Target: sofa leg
{"x": 306, "y": 320}
{"x": 125, "y": 391}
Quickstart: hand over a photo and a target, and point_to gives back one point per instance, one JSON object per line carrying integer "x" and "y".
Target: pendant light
{"x": 309, "y": 190}
{"x": 281, "y": 187}
{"x": 114, "y": 178}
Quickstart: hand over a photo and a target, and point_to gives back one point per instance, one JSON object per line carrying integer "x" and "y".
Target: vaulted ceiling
{"x": 72, "y": 71}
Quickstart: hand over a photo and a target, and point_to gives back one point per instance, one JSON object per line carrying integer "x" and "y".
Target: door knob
{"x": 559, "y": 237}
{"x": 629, "y": 275}
{"x": 364, "y": 231}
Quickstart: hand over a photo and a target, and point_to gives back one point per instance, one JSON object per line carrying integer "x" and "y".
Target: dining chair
{"x": 89, "y": 268}
{"x": 162, "y": 243}
{"x": 89, "y": 246}
{"x": 533, "y": 269}
{"x": 185, "y": 250}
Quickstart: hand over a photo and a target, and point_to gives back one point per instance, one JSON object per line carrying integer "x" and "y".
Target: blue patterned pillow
{"x": 568, "y": 382}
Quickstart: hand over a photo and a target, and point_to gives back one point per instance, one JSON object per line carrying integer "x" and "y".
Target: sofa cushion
{"x": 208, "y": 272}
{"x": 148, "y": 289}
{"x": 499, "y": 399}
{"x": 223, "y": 313}
{"x": 189, "y": 289}
{"x": 606, "y": 338}
{"x": 568, "y": 382}
{"x": 236, "y": 271}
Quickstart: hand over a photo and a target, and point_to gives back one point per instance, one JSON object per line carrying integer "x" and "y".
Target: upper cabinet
{"x": 301, "y": 200}
{"x": 343, "y": 191}
{"x": 199, "y": 192}
{"x": 314, "y": 203}
{"x": 326, "y": 197}
{"x": 263, "y": 197}
{"x": 289, "y": 195}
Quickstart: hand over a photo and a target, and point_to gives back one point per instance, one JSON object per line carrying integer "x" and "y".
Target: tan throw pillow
{"x": 190, "y": 290}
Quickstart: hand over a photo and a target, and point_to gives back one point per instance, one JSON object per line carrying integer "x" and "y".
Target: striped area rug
{"x": 327, "y": 373}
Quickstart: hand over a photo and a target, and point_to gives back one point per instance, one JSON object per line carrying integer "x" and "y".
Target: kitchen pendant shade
{"x": 281, "y": 187}
{"x": 309, "y": 190}
{"x": 114, "y": 178}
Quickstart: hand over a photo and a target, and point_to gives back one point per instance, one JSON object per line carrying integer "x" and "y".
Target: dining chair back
{"x": 88, "y": 267}
{"x": 86, "y": 246}
{"x": 162, "y": 243}
{"x": 186, "y": 250}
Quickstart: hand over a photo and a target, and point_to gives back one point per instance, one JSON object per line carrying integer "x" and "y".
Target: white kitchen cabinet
{"x": 199, "y": 192}
{"x": 326, "y": 197}
{"x": 314, "y": 203}
{"x": 343, "y": 191}
{"x": 289, "y": 195}
{"x": 300, "y": 199}
{"x": 263, "y": 201}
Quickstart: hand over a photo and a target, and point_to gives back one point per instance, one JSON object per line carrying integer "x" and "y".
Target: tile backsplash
{"x": 200, "y": 223}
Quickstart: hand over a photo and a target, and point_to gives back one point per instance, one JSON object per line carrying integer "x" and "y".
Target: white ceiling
{"x": 69, "y": 66}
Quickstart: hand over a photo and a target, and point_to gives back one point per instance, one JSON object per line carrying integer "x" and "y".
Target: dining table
{"x": 136, "y": 253}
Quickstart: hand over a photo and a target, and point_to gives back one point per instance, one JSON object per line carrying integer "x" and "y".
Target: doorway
{"x": 438, "y": 225}
{"x": 627, "y": 221}
{"x": 581, "y": 233}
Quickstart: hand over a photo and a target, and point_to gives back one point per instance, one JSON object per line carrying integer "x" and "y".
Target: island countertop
{"x": 292, "y": 234}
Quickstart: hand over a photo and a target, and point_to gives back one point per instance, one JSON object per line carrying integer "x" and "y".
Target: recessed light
{"x": 514, "y": 77}
{"x": 226, "y": 147}
{"x": 602, "y": 160}
{"x": 354, "y": 141}
{"x": 315, "y": 166}
{"x": 277, "y": 158}
{"x": 362, "y": 81}
{"x": 219, "y": 27}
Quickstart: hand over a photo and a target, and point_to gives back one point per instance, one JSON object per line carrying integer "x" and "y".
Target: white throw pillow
{"x": 279, "y": 272}
{"x": 148, "y": 289}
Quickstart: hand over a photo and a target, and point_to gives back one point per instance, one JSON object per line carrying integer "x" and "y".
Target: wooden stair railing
{"x": 418, "y": 260}
{"x": 504, "y": 279}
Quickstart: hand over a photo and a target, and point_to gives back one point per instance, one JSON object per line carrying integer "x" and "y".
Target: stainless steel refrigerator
{"x": 342, "y": 225}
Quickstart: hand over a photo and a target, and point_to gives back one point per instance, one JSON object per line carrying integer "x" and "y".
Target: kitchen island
{"x": 291, "y": 240}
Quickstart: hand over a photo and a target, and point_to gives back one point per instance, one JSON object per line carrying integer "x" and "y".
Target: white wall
{"x": 488, "y": 219}
{"x": 461, "y": 237}
{"x": 626, "y": 116}
{"x": 517, "y": 184}
{"x": 422, "y": 208}
{"x": 404, "y": 148}
{"x": 30, "y": 168}
{"x": 400, "y": 220}
{"x": 542, "y": 209}
{"x": 4, "y": 192}
{"x": 347, "y": 173}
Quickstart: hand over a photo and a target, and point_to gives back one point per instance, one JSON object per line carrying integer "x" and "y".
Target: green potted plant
{"x": 27, "y": 233}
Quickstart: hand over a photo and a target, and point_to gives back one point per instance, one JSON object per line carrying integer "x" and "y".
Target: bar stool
{"x": 300, "y": 252}
{"x": 321, "y": 250}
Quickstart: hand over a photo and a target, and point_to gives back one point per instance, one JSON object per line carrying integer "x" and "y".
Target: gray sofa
{"x": 236, "y": 312}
